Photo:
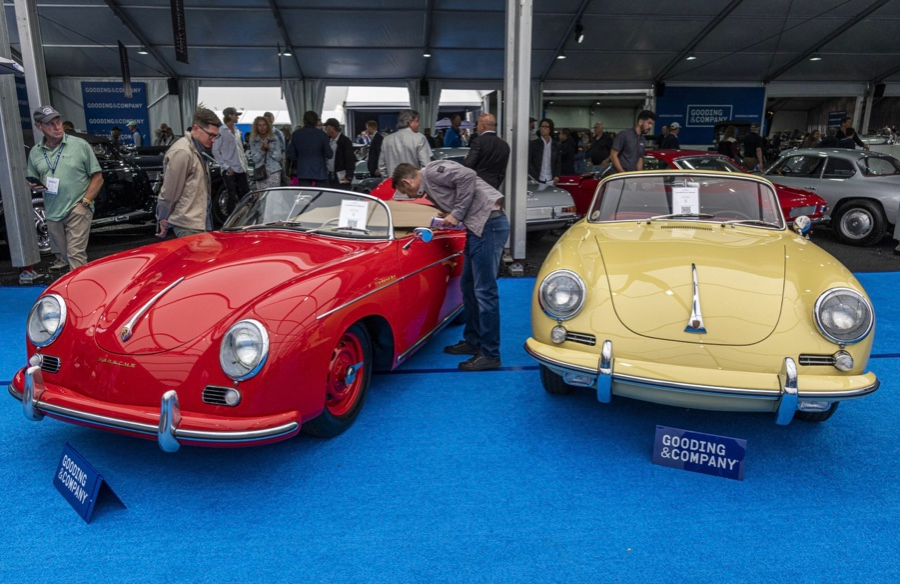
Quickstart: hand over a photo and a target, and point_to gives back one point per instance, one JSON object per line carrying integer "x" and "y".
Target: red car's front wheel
{"x": 349, "y": 371}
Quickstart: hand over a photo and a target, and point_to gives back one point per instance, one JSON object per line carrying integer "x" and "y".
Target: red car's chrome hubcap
{"x": 345, "y": 375}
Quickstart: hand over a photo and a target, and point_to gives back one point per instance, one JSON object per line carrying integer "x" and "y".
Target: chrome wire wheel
{"x": 40, "y": 228}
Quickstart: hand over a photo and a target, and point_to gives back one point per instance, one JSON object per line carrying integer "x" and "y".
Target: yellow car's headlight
{"x": 46, "y": 320}
{"x": 244, "y": 349}
{"x": 562, "y": 294}
{"x": 844, "y": 315}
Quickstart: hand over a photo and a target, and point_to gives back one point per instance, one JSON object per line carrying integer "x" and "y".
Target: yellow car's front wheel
{"x": 554, "y": 383}
{"x": 816, "y": 416}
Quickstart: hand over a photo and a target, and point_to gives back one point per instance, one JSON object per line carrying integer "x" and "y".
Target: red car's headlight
{"x": 244, "y": 349}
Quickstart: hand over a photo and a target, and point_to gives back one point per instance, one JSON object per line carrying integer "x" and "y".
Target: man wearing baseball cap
{"x": 71, "y": 175}
{"x": 228, "y": 151}
{"x": 670, "y": 142}
{"x": 135, "y": 134}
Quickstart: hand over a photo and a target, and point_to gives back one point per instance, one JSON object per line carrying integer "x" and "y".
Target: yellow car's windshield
{"x": 689, "y": 197}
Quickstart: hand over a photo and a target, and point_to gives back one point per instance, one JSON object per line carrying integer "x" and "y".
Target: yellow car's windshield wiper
{"x": 681, "y": 216}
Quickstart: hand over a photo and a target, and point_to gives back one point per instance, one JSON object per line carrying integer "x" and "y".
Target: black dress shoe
{"x": 461, "y": 348}
{"x": 480, "y": 363}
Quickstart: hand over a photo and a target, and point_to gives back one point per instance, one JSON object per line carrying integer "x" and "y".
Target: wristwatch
{"x": 85, "y": 202}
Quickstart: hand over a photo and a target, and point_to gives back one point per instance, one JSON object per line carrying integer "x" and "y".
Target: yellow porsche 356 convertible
{"x": 687, "y": 289}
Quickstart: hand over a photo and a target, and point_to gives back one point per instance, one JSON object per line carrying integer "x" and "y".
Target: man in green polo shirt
{"x": 71, "y": 175}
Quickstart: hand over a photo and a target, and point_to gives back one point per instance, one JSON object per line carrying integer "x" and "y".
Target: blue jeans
{"x": 481, "y": 298}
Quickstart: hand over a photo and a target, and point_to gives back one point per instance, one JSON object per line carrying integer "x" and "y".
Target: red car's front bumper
{"x": 168, "y": 425}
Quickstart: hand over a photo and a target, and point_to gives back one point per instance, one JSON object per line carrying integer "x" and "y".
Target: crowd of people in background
{"x": 317, "y": 153}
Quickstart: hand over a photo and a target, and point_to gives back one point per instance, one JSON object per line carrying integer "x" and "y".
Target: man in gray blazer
{"x": 404, "y": 145}
{"x": 465, "y": 199}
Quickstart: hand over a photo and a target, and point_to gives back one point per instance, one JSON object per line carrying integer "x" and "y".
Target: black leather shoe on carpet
{"x": 479, "y": 363}
{"x": 461, "y": 348}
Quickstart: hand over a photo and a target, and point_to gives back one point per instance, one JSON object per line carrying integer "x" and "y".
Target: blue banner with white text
{"x": 697, "y": 109}
{"x": 105, "y": 106}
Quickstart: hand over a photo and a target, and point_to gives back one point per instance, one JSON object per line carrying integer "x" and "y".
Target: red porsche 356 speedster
{"x": 247, "y": 335}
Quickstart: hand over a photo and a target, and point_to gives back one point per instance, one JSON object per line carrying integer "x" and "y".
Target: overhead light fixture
{"x": 816, "y": 57}
{"x": 143, "y": 51}
{"x": 579, "y": 33}
{"x": 287, "y": 53}
{"x": 691, "y": 57}
{"x": 427, "y": 54}
{"x": 561, "y": 56}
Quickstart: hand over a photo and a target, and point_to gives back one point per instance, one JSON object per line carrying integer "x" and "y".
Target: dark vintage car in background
{"x": 794, "y": 202}
{"x": 151, "y": 158}
{"x": 127, "y": 195}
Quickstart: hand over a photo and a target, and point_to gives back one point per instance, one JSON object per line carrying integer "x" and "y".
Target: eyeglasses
{"x": 210, "y": 134}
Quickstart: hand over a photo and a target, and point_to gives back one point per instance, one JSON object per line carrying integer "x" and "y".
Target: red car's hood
{"x": 171, "y": 293}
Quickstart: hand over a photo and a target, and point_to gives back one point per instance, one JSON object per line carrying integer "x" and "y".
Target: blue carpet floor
{"x": 454, "y": 477}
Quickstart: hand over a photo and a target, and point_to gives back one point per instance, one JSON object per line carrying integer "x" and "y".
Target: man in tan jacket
{"x": 183, "y": 201}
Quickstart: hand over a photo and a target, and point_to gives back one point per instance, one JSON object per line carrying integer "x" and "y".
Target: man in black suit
{"x": 489, "y": 154}
{"x": 344, "y": 160}
{"x": 543, "y": 155}
{"x": 374, "y": 147}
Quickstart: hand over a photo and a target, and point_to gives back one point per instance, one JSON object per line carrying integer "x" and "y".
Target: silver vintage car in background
{"x": 862, "y": 188}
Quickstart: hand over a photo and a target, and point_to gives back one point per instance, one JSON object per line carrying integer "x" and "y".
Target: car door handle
{"x": 810, "y": 188}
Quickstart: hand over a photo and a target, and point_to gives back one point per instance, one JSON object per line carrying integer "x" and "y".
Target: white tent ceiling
{"x": 634, "y": 42}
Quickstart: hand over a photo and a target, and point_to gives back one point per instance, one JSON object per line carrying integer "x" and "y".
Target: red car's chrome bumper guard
{"x": 168, "y": 433}
{"x": 788, "y": 398}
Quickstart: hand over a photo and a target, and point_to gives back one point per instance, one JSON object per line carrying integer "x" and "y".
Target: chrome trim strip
{"x": 863, "y": 391}
{"x": 560, "y": 364}
{"x": 690, "y": 387}
{"x": 695, "y": 324}
{"x": 14, "y": 392}
{"x": 391, "y": 283}
{"x": 402, "y": 356}
{"x": 99, "y": 420}
{"x": 788, "y": 403}
{"x": 710, "y": 389}
{"x": 128, "y": 329}
{"x": 152, "y": 430}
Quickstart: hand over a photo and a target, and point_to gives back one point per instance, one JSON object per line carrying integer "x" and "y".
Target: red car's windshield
{"x": 719, "y": 163}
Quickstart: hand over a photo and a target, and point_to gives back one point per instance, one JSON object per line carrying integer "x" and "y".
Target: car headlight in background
{"x": 562, "y": 294}
{"x": 46, "y": 320}
{"x": 244, "y": 349}
{"x": 844, "y": 315}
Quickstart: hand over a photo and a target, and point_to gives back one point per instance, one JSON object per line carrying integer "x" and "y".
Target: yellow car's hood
{"x": 740, "y": 283}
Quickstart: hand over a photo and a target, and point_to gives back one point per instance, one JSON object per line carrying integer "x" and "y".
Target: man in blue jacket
{"x": 309, "y": 149}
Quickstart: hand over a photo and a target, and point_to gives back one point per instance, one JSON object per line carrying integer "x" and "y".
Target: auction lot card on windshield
{"x": 353, "y": 214}
{"x": 685, "y": 199}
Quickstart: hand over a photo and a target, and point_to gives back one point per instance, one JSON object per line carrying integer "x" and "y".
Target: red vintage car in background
{"x": 247, "y": 335}
{"x": 794, "y": 202}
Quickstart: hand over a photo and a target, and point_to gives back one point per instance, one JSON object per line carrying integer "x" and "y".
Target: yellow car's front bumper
{"x": 782, "y": 393}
